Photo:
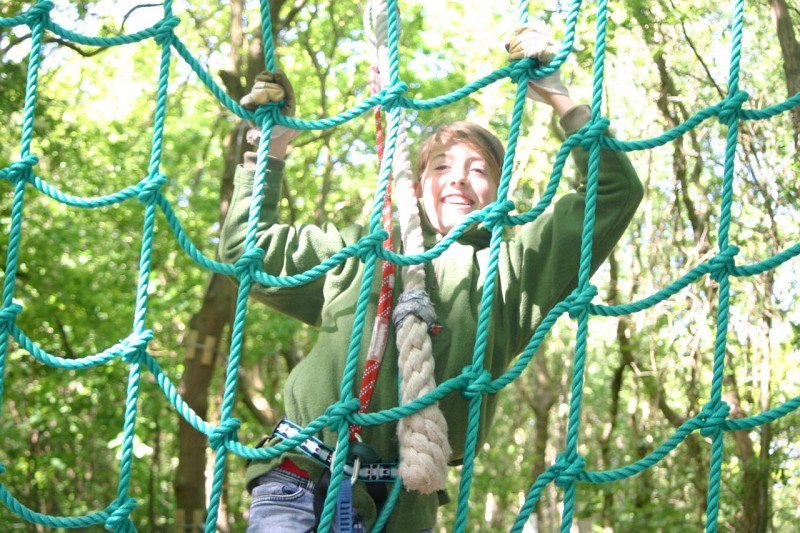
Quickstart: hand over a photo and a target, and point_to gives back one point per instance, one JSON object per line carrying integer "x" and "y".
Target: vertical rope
{"x": 120, "y": 520}
{"x": 359, "y": 319}
{"x": 570, "y": 457}
{"x": 723, "y": 307}
{"x": 380, "y": 329}
{"x": 36, "y": 24}
{"x": 424, "y": 447}
{"x": 248, "y": 264}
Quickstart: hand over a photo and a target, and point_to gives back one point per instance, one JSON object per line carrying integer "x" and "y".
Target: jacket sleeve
{"x": 542, "y": 262}
{"x": 289, "y": 250}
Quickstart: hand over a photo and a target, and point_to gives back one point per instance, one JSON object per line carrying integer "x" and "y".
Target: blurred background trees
{"x": 648, "y": 373}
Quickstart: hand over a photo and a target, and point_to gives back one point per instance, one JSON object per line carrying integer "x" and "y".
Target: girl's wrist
{"x": 560, "y": 103}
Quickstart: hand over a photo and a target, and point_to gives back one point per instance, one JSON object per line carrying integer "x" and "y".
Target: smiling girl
{"x": 458, "y": 169}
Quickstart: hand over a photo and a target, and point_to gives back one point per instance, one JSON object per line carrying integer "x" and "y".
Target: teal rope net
{"x": 475, "y": 381}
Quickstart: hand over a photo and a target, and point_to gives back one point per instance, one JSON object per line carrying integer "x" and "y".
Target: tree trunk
{"x": 625, "y": 360}
{"x": 790, "y": 48}
{"x": 541, "y": 401}
{"x": 207, "y": 326}
{"x": 202, "y": 347}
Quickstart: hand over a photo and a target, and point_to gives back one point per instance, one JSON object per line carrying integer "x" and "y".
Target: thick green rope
{"x": 475, "y": 380}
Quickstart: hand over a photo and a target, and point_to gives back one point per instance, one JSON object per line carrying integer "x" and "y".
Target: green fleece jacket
{"x": 538, "y": 268}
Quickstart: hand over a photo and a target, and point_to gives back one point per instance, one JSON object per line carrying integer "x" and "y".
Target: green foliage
{"x": 78, "y": 270}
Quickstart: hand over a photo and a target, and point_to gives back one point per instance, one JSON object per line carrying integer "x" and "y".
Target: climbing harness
{"x": 375, "y": 472}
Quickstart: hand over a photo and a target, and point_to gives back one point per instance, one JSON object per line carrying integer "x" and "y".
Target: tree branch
{"x": 696, "y": 53}
{"x": 14, "y": 41}
{"x": 297, "y": 7}
{"x": 134, "y": 8}
{"x": 76, "y": 48}
{"x": 65, "y": 344}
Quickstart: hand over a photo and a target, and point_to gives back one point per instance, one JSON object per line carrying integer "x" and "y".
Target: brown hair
{"x": 467, "y": 133}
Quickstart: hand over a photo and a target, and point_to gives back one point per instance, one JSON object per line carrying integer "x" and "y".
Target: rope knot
{"x": 150, "y": 187}
{"x": 371, "y": 244}
{"x": 339, "y": 411}
{"x": 713, "y": 416}
{"x": 249, "y": 263}
{"x": 522, "y": 71}
{"x": 38, "y": 13}
{"x": 498, "y": 215}
{"x": 580, "y": 300}
{"x": 414, "y": 302}
{"x": 731, "y": 106}
{"x": 393, "y": 96}
{"x": 567, "y": 468}
{"x": 138, "y": 347}
{"x": 224, "y": 433}
{"x": 262, "y": 112}
{"x": 119, "y": 520}
{"x": 164, "y": 32}
{"x": 593, "y": 131}
{"x": 722, "y": 264}
{"x": 19, "y": 169}
{"x": 479, "y": 382}
{"x": 8, "y": 315}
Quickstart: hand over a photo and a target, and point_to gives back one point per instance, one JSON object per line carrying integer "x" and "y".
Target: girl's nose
{"x": 458, "y": 177}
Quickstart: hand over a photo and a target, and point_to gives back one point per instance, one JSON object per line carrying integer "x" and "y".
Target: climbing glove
{"x": 533, "y": 41}
{"x": 271, "y": 87}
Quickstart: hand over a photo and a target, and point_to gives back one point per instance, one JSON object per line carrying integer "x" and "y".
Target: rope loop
{"x": 119, "y": 519}
{"x": 164, "y": 33}
{"x": 339, "y": 411}
{"x": 393, "y": 96}
{"x": 567, "y": 468}
{"x": 498, "y": 215}
{"x": 371, "y": 244}
{"x": 143, "y": 338}
{"x": 722, "y": 265}
{"x": 19, "y": 170}
{"x": 38, "y": 13}
{"x": 479, "y": 382}
{"x": 150, "y": 187}
{"x": 593, "y": 131}
{"x": 8, "y": 315}
{"x": 714, "y": 416}
{"x": 731, "y": 107}
{"x": 224, "y": 433}
{"x": 249, "y": 263}
{"x": 580, "y": 299}
{"x": 522, "y": 70}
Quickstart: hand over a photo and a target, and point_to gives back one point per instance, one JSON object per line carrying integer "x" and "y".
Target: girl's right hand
{"x": 272, "y": 87}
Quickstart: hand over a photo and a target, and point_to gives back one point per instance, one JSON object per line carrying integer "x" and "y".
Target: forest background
{"x": 61, "y": 430}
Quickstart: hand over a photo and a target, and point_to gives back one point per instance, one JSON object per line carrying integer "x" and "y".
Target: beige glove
{"x": 533, "y": 41}
{"x": 271, "y": 87}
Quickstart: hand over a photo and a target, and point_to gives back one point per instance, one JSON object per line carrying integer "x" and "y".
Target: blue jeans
{"x": 284, "y": 503}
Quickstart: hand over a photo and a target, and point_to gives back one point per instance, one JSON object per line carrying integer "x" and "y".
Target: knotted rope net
{"x": 475, "y": 382}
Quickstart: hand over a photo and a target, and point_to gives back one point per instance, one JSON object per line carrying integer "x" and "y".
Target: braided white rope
{"x": 424, "y": 447}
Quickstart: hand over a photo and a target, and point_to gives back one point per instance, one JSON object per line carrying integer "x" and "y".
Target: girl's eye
{"x": 442, "y": 167}
{"x": 478, "y": 170}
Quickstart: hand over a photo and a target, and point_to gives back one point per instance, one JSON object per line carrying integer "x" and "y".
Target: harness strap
{"x": 322, "y": 453}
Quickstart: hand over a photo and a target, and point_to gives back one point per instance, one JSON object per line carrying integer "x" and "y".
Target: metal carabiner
{"x": 356, "y": 464}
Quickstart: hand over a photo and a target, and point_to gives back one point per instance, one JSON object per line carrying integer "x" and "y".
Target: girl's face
{"x": 456, "y": 181}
